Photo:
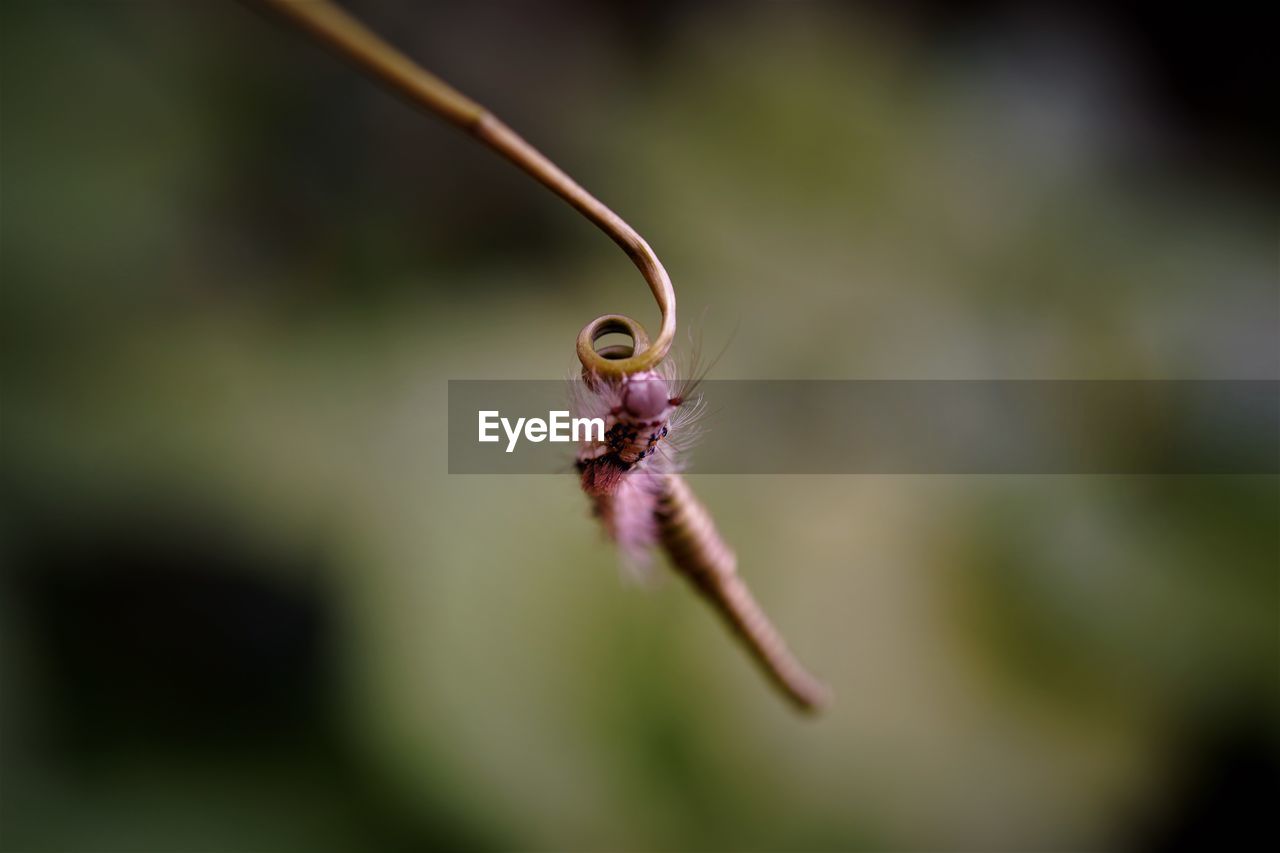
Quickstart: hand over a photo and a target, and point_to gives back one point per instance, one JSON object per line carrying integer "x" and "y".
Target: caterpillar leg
{"x": 699, "y": 553}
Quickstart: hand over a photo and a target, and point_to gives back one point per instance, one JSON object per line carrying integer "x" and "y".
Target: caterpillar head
{"x": 645, "y": 396}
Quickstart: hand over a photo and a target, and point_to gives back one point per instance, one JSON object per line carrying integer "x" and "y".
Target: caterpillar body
{"x": 644, "y": 415}
{"x": 632, "y": 476}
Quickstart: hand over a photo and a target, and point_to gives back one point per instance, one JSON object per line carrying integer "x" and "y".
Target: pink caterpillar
{"x": 649, "y": 423}
{"x": 632, "y": 476}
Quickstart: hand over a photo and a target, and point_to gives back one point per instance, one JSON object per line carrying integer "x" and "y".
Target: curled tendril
{"x": 332, "y": 25}
{"x": 609, "y": 324}
{"x": 688, "y": 534}
{"x": 619, "y": 359}
{"x": 612, "y": 362}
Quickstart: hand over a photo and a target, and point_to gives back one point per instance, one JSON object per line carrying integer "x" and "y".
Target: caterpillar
{"x": 632, "y": 476}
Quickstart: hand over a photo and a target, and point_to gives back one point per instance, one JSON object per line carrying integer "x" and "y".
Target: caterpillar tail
{"x": 697, "y": 552}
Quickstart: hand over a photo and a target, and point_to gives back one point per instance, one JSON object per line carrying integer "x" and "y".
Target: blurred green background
{"x": 244, "y": 607}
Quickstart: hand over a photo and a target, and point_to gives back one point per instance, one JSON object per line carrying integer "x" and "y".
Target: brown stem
{"x": 333, "y": 26}
{"x": 697, "y": 552}
{"x": 688, "y": 532}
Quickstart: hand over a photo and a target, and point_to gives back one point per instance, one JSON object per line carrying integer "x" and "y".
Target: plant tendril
{"x": 332, "y": 25}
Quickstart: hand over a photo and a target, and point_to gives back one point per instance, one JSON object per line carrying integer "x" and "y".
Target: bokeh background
{"x": 244, "y": 607}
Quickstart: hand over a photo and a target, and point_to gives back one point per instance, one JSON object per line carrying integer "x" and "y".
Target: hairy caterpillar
{"x": 648, "y": 422}
{"x": 633, "y": 479}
